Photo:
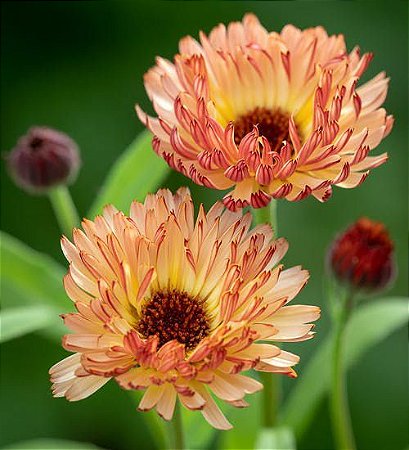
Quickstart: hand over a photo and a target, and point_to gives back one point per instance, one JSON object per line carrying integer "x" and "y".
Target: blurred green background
{"x": 78, "y": 67}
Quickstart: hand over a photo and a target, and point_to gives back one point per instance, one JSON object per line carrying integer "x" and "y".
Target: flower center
{"x": 272, "y": 124}
{"x": 174, "y": 315}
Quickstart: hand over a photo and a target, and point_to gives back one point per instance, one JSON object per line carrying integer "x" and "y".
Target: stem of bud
{"x": 340, "y": 415}
{"x": 64, "y": 209}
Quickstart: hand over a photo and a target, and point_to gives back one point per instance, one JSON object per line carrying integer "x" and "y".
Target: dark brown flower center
{"x": 272, "y": 124}
{"x": 174, "y": 315}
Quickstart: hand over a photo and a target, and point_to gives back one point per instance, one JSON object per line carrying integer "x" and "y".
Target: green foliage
{"x": 369, "y": 325}
{"x": 52, "y": 444}
{"x": 137, "y": 172}
{"x": 198, "y": 433}
{"x": 16, "y": 322}
{"x": 32, "y": 293}
{"x": 276, "y": 438}
{"x": 246, "y": 425}
{"x": 29, "y": 277}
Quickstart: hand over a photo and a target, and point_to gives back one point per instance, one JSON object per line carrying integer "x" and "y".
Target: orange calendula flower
{"x": 271, "y": 115}
{"x": 175, "y": 306}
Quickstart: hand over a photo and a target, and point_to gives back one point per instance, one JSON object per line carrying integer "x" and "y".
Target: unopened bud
{"x": 42, "y": 159}
{"x": 363, "y": 255}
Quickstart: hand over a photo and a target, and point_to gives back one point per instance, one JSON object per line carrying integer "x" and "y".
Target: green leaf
{"x": 388, "y": 314}
{"x": 32, "y": 276}
{"x": 277, "y": 438}
{"x": 137, "y": 172}
{"x": 246, "y": 423}
{"x": 16, "y": 322}
{"x": 52, "y": 444}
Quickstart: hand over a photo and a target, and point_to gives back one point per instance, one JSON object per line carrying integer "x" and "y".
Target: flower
{"x": 175, "y": 306}
{"x": 363, "y": 255}
{"x": 271, "y": 115}
{"x": 42, "y": 159}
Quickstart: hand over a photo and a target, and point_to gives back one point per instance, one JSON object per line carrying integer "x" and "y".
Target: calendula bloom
{"x": 363, "y": 255}
{"x": 176, "y": 306}
{"x": 269, "y": 115}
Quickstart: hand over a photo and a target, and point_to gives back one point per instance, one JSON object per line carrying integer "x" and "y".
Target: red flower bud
{"x": 42, "y": 159}
{"x": 363, "y": 255}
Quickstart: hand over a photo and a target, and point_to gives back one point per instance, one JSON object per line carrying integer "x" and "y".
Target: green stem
{"x": 64, "y": 209}
{"x": 267, "y": 214}
{"x": 178, "y": 437}
{"x": 271, "y": 383}
{"x": 270, "y": 399}
{"x": 341, "y": 420}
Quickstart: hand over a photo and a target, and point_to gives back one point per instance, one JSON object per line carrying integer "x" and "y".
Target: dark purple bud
{"x": 42, "y": 159}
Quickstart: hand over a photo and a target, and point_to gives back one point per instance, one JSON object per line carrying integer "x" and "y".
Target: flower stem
{"x": 267, "y": 214}
{"x": 271, "y": 391}
{"x": 64, "y": 209}
{"x": 178, "y": 436}
{"x": 341, "y": 420}
{"x": 270, "y": 399}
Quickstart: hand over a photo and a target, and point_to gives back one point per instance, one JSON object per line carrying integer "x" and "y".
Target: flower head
{"x": 42, "y": 159}
{"x": 176, "y": 306}
{"x": 269, "y": 115}
{"x": 363, "y": 255}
